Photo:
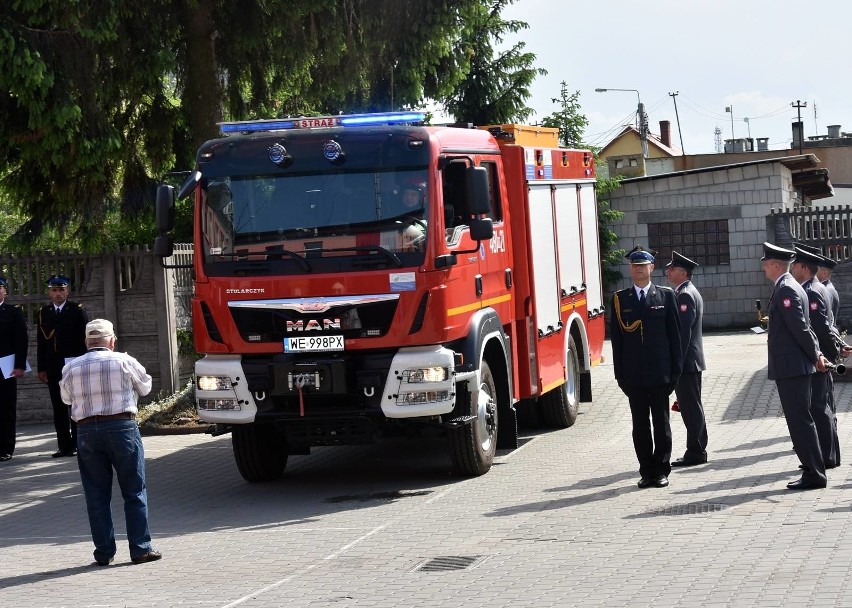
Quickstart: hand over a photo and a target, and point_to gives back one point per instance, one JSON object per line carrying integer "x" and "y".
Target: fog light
{"x": 416, "y": 398}
{"x": 426, "y": 374}
{"x": 219, "y": 404}
{"x": 214, "y": 383}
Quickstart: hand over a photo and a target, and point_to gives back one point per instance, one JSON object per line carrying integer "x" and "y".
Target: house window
{"x": 705, "y": 241}
{"x": 619, "y": 163}
{"x": 634, "y": 162}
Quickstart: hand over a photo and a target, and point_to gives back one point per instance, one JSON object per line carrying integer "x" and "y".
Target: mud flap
{"x": 507, "y": 430}
{"x": 585, "y": 387}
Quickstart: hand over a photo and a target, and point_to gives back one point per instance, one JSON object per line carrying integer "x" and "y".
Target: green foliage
{"x": 572, "y": 124}
{"x": 610, "y": 257}
{"x": 496, "y": 87}
{"x": 568, "y": 119}
{"x": 102, "y": 97}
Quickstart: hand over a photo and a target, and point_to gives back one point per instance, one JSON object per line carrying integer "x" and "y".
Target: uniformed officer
{"x": 793, "y": 356}
{"x": 824, "y": 270}
{"x": 13, "y": 341}
{"x": 61, "y": 337}
{"x": 804, "y": 269}
{"x": 648, "y": 361}
{"x": 690, "y": 306}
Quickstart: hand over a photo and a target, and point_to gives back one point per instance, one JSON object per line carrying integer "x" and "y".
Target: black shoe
{"x": 151, "y": 556}
{"x": 60, "y": 453}
{"x": 661, "y": 482}
{"x": 71, "y": 452}
{"x": 803, "y": 484}
{"x": 104, "y": 562}
{"x": 5, "y": 457}
{"x": 689, "y": 462}
{"x": 645, "y": 482}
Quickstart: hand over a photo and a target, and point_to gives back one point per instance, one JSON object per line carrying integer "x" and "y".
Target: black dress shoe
{"x": 804, "y": 484}
{"x": 151, "y": 556}
{"x": 661, "y": 482}
{"x": 645, "y": 482}
{"x": 5, "y": 457}
{"x": 71, "y": 453}
{"x": 104, "y": 562}
{"x": 60, "y": 453}
{"x": 684, "y": 462}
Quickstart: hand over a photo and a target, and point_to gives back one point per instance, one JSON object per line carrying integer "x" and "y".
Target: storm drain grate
{"x": 446, "y": 563}
{"x": 691, "y": 509}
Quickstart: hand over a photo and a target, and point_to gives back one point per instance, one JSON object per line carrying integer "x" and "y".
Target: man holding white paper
{"x": 13, "y": 344}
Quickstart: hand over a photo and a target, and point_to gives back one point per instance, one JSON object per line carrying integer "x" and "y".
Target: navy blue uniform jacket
{"x": 646, "y": 349}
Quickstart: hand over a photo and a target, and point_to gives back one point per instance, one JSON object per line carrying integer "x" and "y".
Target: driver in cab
{"x": 414, "y": 208}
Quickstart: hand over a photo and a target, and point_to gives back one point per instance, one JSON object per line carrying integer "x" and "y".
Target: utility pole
{"x": 799, "y": 105}
{"x": 679, "y": 134}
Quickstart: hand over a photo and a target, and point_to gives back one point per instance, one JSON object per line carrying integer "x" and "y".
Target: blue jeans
{"x": 101, "y": 447}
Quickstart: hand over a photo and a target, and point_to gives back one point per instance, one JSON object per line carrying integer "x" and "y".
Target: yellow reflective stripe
{"x": 477, "y": 305}
{"x": 576, "y": 304}
{"x": 552, "y": 386}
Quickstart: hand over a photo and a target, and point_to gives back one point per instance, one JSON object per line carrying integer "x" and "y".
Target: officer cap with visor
{"x": 824, "y": 262}
{"x": 807, "y": 257}
{"x": 58, "y": 281}
{"x": 638, "y": 255}
{"x": 681, "y": 261}
{"x": 4, "y": 283}
{"x": 773, "y": 252}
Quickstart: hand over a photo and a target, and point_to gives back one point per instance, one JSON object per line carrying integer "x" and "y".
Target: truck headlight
{"x": 214, "y": 383}
{"x": 425, "y": 374}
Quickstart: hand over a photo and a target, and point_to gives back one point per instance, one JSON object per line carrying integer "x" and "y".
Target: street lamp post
{"x": 643, "y": 123}
{"x": 731, "y": 110}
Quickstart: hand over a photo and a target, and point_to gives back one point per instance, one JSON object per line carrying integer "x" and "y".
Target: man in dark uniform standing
{"x": 61, "y": 336}
{"x": 804, "y": 270}
{"x": 15, "y": 342}
{"x": 648, "y": 361}
{"x": 793, "y": 355}
{"x": 690, "y": 306}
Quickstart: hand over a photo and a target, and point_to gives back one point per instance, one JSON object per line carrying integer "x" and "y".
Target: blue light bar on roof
{"x": 246, "y": 126}
{"x": 318, "y": 122}
{"x": 385, "y": 118}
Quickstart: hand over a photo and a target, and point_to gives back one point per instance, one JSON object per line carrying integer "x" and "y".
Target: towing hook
{"x": 260, "y": 396}
{"x": 369, "y": 391}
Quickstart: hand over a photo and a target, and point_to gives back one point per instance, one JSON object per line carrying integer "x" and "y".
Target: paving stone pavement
{"x": 557, "y": 522}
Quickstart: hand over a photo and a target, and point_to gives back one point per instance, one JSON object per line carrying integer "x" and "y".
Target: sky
{"x": 756, "y": 56}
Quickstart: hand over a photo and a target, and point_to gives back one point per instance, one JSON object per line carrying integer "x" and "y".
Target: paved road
{"x": 558, "y": 522}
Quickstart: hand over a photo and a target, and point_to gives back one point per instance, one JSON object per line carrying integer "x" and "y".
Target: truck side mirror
{"x": 477, "y": 198}
{"x": 164, "y": 246}
{"x": 481, "y": 229}
{"x": 165, "y": 208}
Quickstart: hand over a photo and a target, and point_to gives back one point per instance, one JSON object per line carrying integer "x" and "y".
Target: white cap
{"x": 99, "y": 328}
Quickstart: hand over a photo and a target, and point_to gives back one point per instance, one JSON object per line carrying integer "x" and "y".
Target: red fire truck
{"x": 361, "y": 275}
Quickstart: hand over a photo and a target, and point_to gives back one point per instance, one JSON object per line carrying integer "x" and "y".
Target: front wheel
{"x": 561, "y": 405}
{"x": 260, "y": 451}
{"x": 473, "y": 445}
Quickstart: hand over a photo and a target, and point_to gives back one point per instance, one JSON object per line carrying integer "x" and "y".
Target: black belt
{"x": 121, "y": 416}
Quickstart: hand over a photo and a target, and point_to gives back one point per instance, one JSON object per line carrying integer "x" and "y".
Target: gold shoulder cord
{"x": 633, "y": 326}
{"x": 41, "y": 328}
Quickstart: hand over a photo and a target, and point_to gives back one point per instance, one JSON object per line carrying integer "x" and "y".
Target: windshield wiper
{"x": 388, "y": 254}
{"x": 273, "y": 253}
{"x": 270, "y": 254}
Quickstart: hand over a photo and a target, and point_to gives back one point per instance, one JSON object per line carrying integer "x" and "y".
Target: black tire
{"x": 260, "y": 451}
{"x": 473, "y": 445}
{"x": 560, "y": 406}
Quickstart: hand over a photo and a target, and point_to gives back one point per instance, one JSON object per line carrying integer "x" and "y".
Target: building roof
{"x": 814, "y": 183}
{"x": 653, "y": 140}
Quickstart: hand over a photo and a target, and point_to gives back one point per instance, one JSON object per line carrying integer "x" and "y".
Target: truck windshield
{"x": 316, "y": 215}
